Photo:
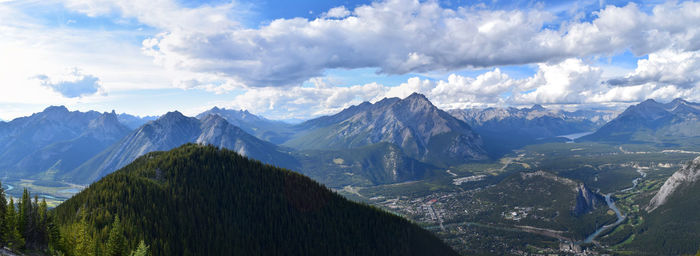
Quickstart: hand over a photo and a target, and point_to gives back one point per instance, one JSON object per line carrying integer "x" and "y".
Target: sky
{"x": 294, "y": 60}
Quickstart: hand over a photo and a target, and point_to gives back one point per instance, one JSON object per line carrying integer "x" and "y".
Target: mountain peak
{"x": 172, "y": 115}
{"x": 537, "y": 107}
{"x": 56, "y": 109}
{"x": 648, "y": 102}
{"x": 679, "y": 101}
{"x": 417, "y": 96}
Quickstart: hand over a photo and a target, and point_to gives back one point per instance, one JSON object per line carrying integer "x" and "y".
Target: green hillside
{"x": 200, "y": 200}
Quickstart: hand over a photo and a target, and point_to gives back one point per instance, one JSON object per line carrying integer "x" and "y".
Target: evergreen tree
{"x": 54, "y": 234}
{"x": 13, "y": 237}
{"x": 84, "y": 244}
{"x": 115, "y": 243}
{"x": 3, "y": 212}
{"x": 25, "y": 210}
{"x": 142, "y": 250}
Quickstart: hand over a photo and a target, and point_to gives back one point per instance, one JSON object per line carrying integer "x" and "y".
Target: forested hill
{"x": 200, "y": 200}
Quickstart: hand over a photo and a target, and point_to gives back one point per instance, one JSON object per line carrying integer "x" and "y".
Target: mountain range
{"x": 55, "y": 141}
{"x": 263, "y": 128}
{"x": 505, "y": 129}
{"x": 392, "y": 140}
{"x": 172, "y": 130}
{"x": 421, "y": 130}
{"x": 672, "y": 123}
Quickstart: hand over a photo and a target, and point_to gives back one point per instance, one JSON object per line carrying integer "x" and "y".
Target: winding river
{"x": 611, "y": 205}
{"x": 620, "y": 219}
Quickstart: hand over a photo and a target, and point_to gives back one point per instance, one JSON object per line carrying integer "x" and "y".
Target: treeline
{"x": 28, "y": 226}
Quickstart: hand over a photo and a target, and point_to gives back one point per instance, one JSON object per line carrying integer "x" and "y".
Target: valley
{"x": 506, "y": 219}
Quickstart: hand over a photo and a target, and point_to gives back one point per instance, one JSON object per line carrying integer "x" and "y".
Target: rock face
{"x": 55, "y": 141}
{"x": 171, "y": 131}
{"x": 414, "y": 124}
{"x": 687, "y": 176}
{"x": 265, "y": 129}
{"x": 586, "y": 200}
{"x": 651, "y": 121}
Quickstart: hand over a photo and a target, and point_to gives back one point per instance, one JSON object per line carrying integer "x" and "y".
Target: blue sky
{"x": 300, "y": 59}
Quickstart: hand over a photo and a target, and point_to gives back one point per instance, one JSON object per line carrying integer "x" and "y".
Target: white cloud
{"x": 72, "y": 84}
{"x": 337, "y": 12}
{"x": 207, "y": 48}
{"x": 304, "y": 102}
{"x": 403, "y": 36}
{"x": 567, "y": 82}
{"x": 668, "y": 67}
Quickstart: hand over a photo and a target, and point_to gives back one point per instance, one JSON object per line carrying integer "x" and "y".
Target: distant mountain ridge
{"x": 263, "y": 128}
{"x": 172, "y": 130}
{"x": 504, "y": 129}
{"x": 651, "y": 121}
{"x": 414, "y": 124}
{"x": 134, "y": 122}
{"x": 55, "y": 141}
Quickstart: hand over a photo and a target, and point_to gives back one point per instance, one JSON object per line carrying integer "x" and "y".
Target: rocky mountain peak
{"x": 56, "y": 109}
{"x": 649, "y": 102}
{"x": 417, "y": 97}
{"x": 172, "y": 115}
{"x": 537, "y": 107}
{"x": 105, "y": 118}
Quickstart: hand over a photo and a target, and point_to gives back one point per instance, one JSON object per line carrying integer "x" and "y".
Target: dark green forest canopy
{"x": 200, "y": 200}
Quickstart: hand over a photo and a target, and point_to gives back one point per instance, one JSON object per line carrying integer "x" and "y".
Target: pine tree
{"x": 54, "y": 234}
{"x": 14, "y": 238}
{"x": 141, "y": 250}
{"x": 115, "y": 243}
{"x": 84, "y": 244}
{"x": 42, "y": 233}
{"x": 25, "y": 209}
{"x": 3, "y": 213}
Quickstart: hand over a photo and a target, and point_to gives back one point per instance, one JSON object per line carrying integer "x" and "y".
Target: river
{"x": 611, "y": 205}
{"x": 620, "y": 219}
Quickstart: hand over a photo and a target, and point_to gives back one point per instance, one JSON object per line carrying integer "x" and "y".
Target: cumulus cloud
{"x": 667, "y": 67}
{"x": 305, "y": 102}
{"x": 569, "y": 81}
{"x": 399, "y": 36}
{"x": 72, "y": 85}
{"x": 337, "y": 12}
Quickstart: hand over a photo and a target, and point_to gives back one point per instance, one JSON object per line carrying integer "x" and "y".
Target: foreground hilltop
{"x": 200, "y": 200}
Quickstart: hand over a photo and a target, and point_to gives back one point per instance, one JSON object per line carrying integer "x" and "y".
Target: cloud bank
{"x": 403, "y": 36}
